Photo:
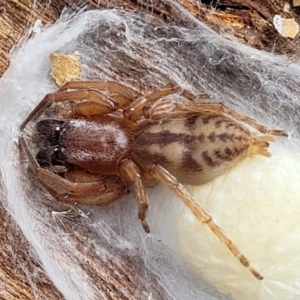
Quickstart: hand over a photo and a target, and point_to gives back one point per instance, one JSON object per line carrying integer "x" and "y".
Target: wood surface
{"x": 249, "y": 21}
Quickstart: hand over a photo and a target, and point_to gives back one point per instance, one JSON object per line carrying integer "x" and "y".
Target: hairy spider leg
{"x": 96, "y": 104}
{"x": 160, "y": 109}
{"x": 201, "y": 214}
{"x": 135, "y": 110}
{"x": 130, "y": 173}
{"x": 121, "y": 94}
{"x": 113, "y": 191}
{"x": 51, "y": 179}
{"x": 101, "y": 103}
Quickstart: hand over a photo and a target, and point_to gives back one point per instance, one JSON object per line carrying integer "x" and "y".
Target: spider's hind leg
{"x": 161, "y": 109}
{"x": 201, "y": 214}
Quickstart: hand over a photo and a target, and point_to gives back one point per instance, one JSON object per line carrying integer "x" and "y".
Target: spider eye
{"x": 44, "y": 156}
{"x": 49, "y": 130}
{"x": 50, "y": 155}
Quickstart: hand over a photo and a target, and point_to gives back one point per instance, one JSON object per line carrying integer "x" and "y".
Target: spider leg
{"x": 95, "y": 100}
{"x": 113, "y": 191}
{"x": 114, "y": 188}
{"x": 118, "y": 92}
{"x": 135, "y": 110}
{"x": 51, "y": 179}
{"x": 130, "y": 173}
{"x": 201, "y": 214}
{"x": 172, "y": 109}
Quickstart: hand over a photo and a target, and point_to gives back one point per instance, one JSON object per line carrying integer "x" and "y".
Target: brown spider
{"x": 105, "y": 142}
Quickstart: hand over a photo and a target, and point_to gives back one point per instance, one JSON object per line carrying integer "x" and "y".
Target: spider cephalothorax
{"x": 106, "y": 142}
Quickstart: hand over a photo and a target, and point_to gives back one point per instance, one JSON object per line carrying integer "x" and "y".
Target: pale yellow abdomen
{"x": 195, "y": 148}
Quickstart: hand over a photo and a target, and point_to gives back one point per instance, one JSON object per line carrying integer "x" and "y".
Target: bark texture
{"x": 250, "y": 21}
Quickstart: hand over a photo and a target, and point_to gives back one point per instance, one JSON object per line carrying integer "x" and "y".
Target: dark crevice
{"x": 224, "y": 6}
{"x": 229, "y": 7}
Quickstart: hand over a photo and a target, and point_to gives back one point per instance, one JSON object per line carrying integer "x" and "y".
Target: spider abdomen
{"x": 195, "y": 148}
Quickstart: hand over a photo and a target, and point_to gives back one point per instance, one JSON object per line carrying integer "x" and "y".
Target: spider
{"x": 104, "y": 142}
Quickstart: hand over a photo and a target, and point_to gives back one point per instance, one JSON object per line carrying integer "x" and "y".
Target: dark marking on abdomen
{"x": 189, "y": 163}
{"x": 224, "y": 137}
{"x": 207, "y": 159}
{"x": 164, "y": 138}
{"x": 153, "y": 158}
{"x": 206, "y": 119}
{"x": 190, "y": 120}
{"x": 212, "y": 137}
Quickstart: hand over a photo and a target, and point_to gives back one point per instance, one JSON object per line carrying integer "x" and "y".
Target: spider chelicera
{"x": 104, "y": 141}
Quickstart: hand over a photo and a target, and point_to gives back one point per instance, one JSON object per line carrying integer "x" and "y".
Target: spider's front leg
{"x": 110, "y": 92}
{"x": 201, "y": 214}
{"x": 116, "y": 91}
{"x": 96, "y": 102}
{"x": 113, "y": 189}
{"x": 130, "y": 173}
{"x": 82, "y": 188}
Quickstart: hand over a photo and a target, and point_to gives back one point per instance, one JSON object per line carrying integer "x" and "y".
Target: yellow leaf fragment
{"x": 65, "y": 68}
{"x": 286, "y": 27}
{"x": 296, "y": 3}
